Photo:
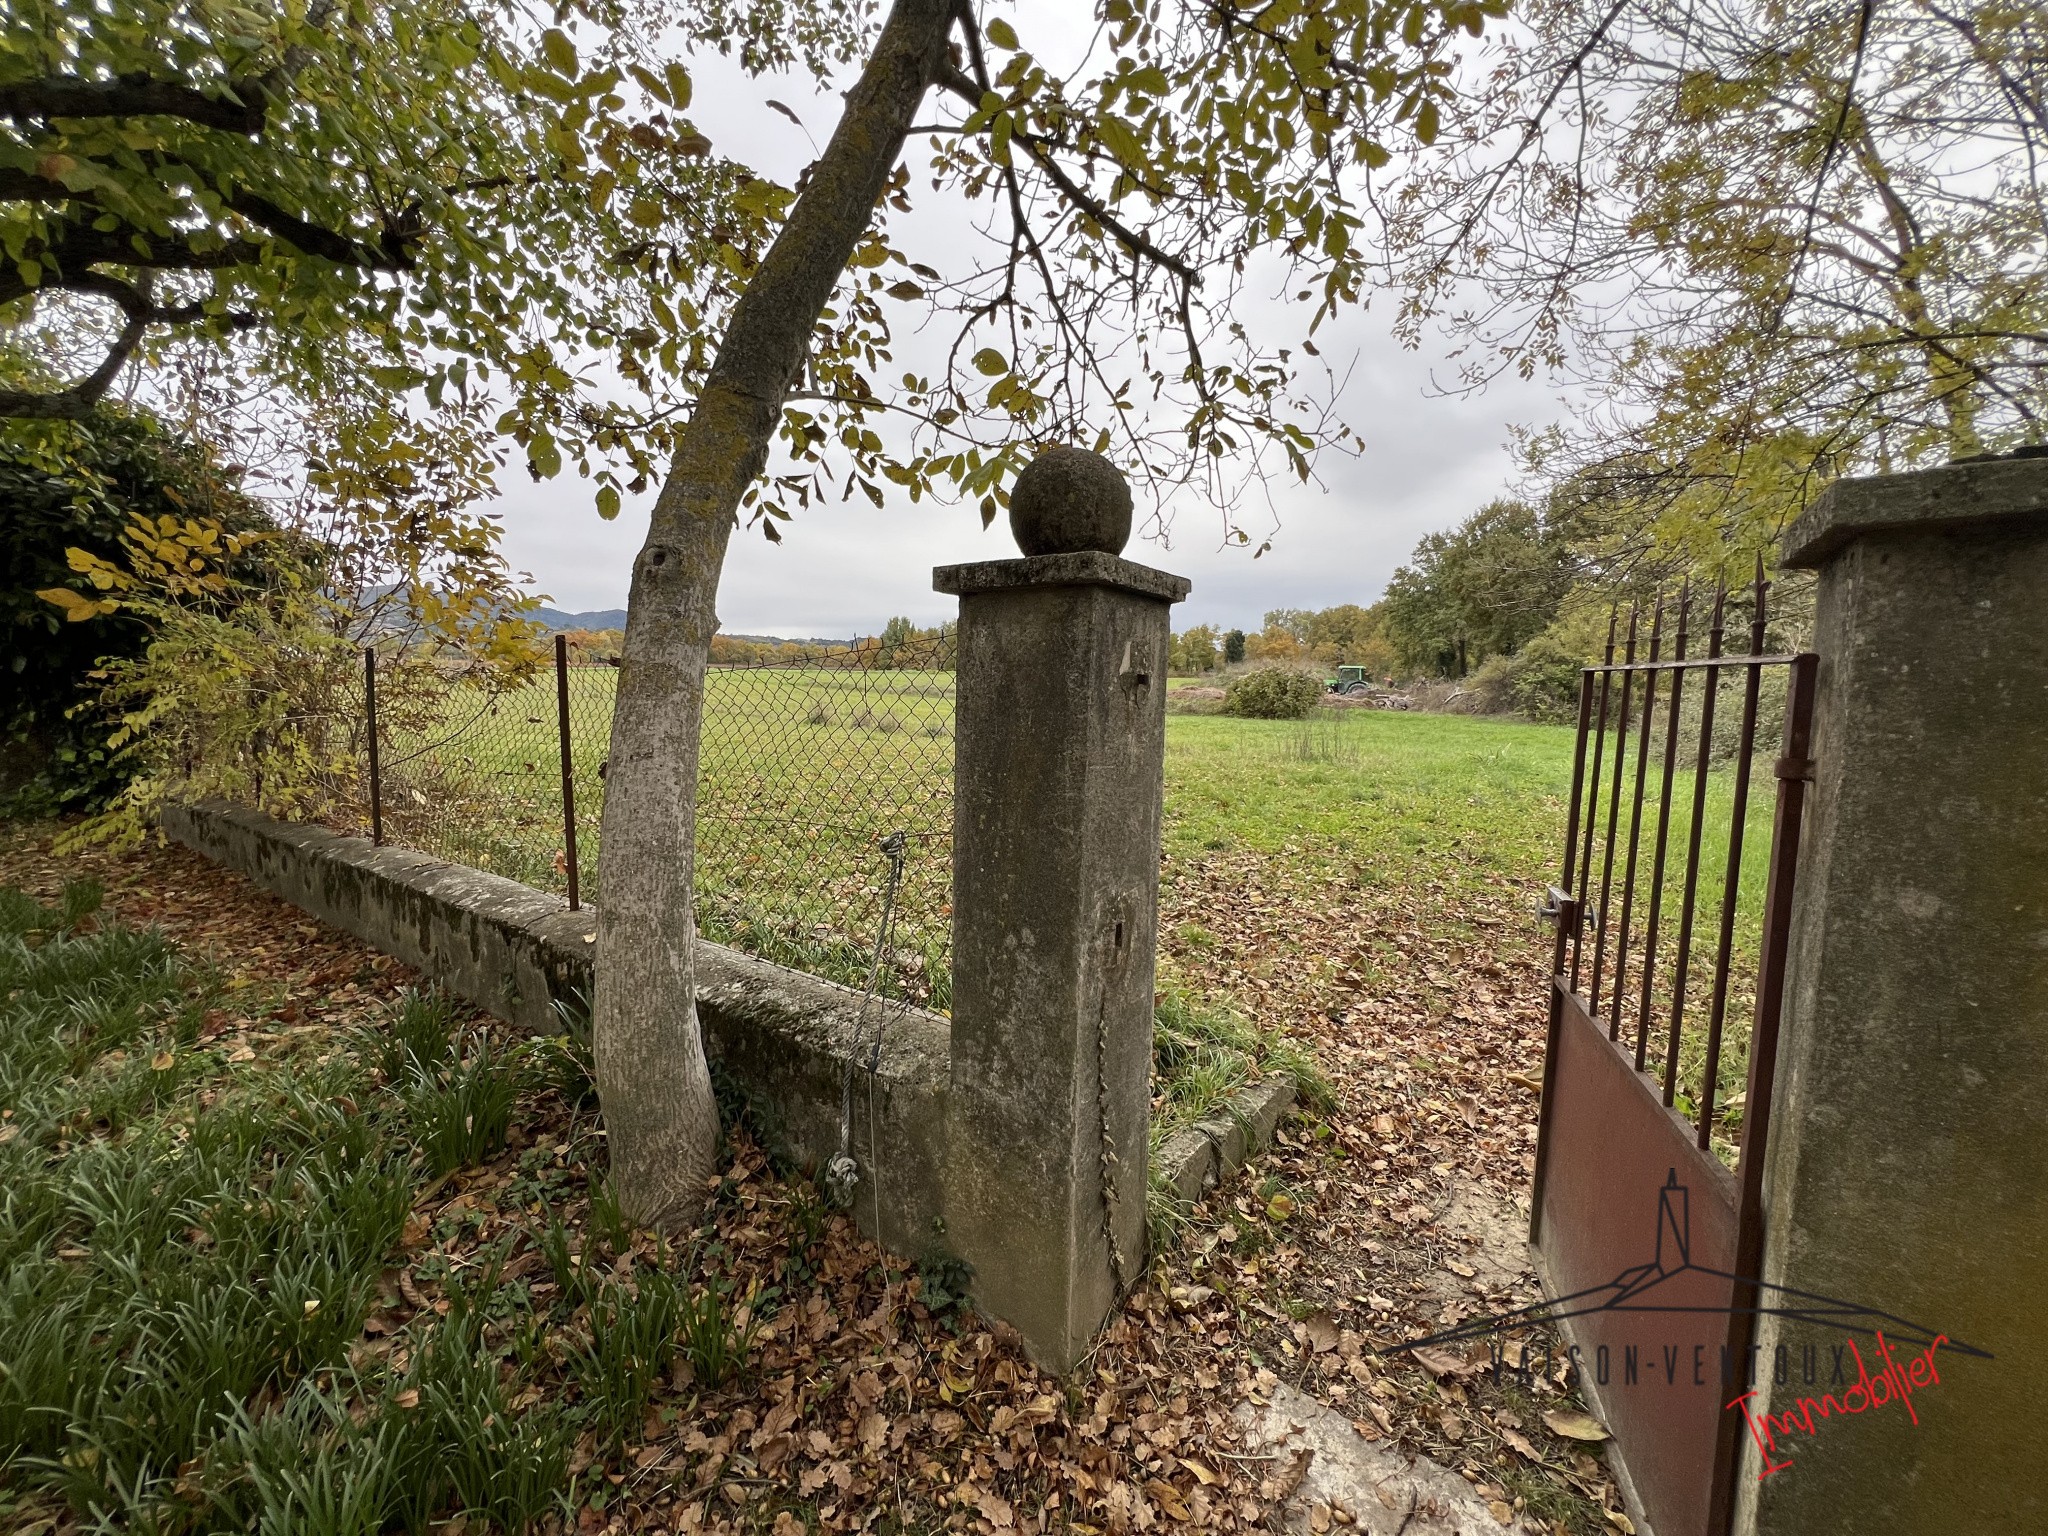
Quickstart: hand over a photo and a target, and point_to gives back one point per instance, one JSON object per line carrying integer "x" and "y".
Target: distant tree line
{"x": 900, "y": 645}
{"x": 1511, "y": 600}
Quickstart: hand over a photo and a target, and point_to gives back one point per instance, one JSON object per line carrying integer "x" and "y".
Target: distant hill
{"x": 598, "y": 618}
{"x": 615, "y": 618}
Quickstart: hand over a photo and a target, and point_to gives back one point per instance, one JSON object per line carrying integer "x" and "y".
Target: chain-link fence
{"x": 808, "y": 764}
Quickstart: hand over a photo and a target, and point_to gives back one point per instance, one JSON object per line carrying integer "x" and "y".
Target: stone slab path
{"x": 1351, "y": 1484}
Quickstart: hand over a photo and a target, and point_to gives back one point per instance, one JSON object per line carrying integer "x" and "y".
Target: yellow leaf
{"x": 1574, "y": 1426}
{"x": 75, "y": 606}
{"x": 1122, "y": 141}
{"x": 1000, "y": 33}
{"x": 559, "y": 52}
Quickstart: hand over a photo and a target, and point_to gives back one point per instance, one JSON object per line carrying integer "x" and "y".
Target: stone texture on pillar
{"x": 1908, "y": 1165}
{"x": 1060, "y": 738}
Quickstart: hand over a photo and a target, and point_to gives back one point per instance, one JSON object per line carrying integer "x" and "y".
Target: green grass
{"x": 190, "y": 1248}
{"x": 805, "y": 769}
{"x": 1438, "y": 806}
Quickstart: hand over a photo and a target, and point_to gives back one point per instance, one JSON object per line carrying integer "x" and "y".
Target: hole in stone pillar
{"x": 1119, "y": 935}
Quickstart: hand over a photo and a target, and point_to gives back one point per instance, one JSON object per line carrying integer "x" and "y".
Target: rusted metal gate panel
{"x": 1648, "y": 1242}
{"x": 1628, "y": 1252}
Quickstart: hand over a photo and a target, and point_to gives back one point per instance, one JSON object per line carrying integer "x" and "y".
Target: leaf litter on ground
{"x": 858, "y": 1404}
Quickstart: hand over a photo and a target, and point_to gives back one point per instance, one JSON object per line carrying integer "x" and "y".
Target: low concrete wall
{"x": 781, "y": 1037}
{"x": 1195, "y": 1160}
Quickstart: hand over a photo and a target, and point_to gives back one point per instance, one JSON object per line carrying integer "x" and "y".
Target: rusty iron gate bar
{"x": 1631, "y": 1117}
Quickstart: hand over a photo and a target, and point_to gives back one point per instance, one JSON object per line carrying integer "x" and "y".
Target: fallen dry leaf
{"x": 1574, "y": 1425}
{"x": 1322, "y": 1330}
{"x": 1441, "y": 1363}
{"x": 1289, "y": 1477}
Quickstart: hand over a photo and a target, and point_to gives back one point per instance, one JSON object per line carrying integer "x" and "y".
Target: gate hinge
{"x": 1794, "y": 768}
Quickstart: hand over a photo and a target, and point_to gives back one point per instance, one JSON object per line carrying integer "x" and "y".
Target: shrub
{"x": 1540, "y": 681}
{"x": 1545, "y": 680}
{"x": 1273, "y": 693}
{"x": 79, "y": 485}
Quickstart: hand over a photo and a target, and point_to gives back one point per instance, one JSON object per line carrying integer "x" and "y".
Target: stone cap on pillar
{"x": 1972, "y": 492}
{"x": 1083, "y": 568}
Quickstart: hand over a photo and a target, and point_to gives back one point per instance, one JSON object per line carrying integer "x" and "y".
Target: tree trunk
{"x": 661, "y": 1122}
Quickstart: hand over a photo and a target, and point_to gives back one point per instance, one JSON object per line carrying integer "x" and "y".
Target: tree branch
{"x": 394, "y": 255}
{"x": 77, "y": 401}
{"x": 136, "y": 304}
{"x": 964, "y": 87}
{"x": 27, "y": 187}
{"x": 134, "y": 95}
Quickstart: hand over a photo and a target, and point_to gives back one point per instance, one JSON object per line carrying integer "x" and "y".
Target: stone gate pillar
{"x": 1908, "y": 1165}
{"x": 1060, "y": 736}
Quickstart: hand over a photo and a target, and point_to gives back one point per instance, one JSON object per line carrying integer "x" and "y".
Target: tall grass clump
{"x": 189, "y": 1251}
{"x": 461, "y": 1112}
{"x": 1204, "y": 1051}
{"x": 1325, "y": 736}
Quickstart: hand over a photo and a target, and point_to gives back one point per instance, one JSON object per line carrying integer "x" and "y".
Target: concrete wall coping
{"x": 1955, "y": 495}
{"x": 1196, "y": 1158}
{"x": 1088, "y": 568}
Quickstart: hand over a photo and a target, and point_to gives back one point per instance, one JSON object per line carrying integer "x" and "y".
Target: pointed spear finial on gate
{"x": 1756, "y": 623}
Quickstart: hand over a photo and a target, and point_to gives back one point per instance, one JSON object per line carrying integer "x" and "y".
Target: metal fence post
{"x": 376, "y": 769}
{"x": 568, "y": 766}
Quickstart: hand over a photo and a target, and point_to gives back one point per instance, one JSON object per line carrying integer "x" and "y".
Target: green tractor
{"x": 1352, "y": 680}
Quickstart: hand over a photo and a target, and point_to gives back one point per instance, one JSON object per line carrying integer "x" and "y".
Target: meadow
{"x": 1438, "y": 810}
{"x": 807, "y": 770}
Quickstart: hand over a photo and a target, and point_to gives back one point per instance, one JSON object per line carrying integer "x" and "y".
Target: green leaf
{"x": 560, "y": 53}
{"x": 1000, "y": 33}
{"x": 1122, "y": 141}
{"x": 990, "y": 362}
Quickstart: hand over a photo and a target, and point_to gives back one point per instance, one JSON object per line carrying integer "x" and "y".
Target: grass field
{"x": 804, "y": 772}
{"x": 807, "y": 770}
{"x": 1439, "y": 807}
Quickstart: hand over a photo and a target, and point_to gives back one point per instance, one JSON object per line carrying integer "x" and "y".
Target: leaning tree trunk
{"x": 661, "y": 1122}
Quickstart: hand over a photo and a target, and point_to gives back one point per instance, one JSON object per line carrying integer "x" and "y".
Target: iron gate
{"x": 1646, "y": 1215}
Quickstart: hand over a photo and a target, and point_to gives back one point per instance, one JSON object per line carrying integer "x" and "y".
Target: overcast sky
{"x": 845, "y": 569}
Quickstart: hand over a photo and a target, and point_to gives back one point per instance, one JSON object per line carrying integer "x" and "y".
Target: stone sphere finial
{"x": 1068, "y": 500}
